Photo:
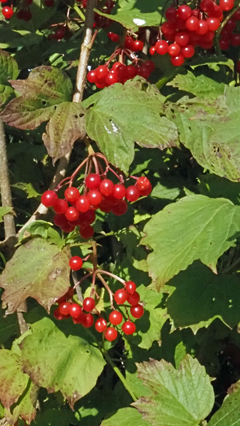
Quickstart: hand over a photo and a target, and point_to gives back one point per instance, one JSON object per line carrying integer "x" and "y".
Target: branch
{"x": 77, "y": 97}
{"x": 9, "y": 224}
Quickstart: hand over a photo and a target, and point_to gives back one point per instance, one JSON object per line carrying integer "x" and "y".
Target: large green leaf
{"x": 180, "y": 397}
{"x": 125, "y": 417}
{"x": 195, "y": 227}
{"x": 208, "y": 296}
{"x": 13, "y": 380}
{"x": 204, "y": 128}
{"x": 200, "y": 86}
{"x": 120, "y": 115}
{"x": 38, "y": 269}
{"x": 228, "y": 413}
{"x": 134, "y": 13}
{"x": 56, "y": 362}
{"x": 65, "y": 126}
{"x": 25, "y": 407}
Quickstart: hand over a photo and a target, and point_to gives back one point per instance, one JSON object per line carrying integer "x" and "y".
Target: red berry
{"x": 101, "y": 325}
{"x": 226, "y": 5}
{"x": 101, "y": 74}
{"x": 114, "y": 37}
{"x": 235, "y": 40}
{"x": 168, "y": 29}
{"x": 57, "y": 315}
{"x": 129, "y": 42}
{"x": 60, "y": 206}
{"x": 88, "y": 304}
{"x": 224, "y": 44}
{"x": 94, "y": 197}
{"x": 72, "y": 214}
{"x": 192, "y": 23}
{"x": 121, "y": 72}
{"x": 87, "y": 320}
{"x": 88, "y": 217}
{"x": 146, "y": 191}
{"x": 182, "y": 38}
{"x": 236, "y": 15}
{"x": 60, "y": 220}
{"x": 106, "y": 187}
{"x": 93, "y": 180}
{"x": 75, "y": 263}
{"x": 110, "y": 334}
{"x": 115, "y": 317}
{"x": 132, "y": 193}
{"x": 143, "y": 182}
{"x": 137, "y": 311}
{"x": 120, "y": 296}
{"x": 111, "y": 78}
{"x": 152, "y": 50}
{"x": 86, "y": 231}
{"x": 130, "y": 287}
{"x": 184, "y": 12}
{"x": 91, "y": 76}
{"x": 49, "y": 198}
{"x": 207, "y": 6}
{"x": 63, "y": 308}
{"x": 60, "y": 33}
{"x": 188, "y": 51}
{"x": 173, "y": 50}
{"x": 202, "y": 27}
{"x": 7, "y": 12}
{"x": 213, "y": 24}
{"x": 74, "y": 310}
{"x": 171, "y": 14}
{"x": 133, "y": 298}
{"x": 128, "y": 327}
{"x": 83, "y": 204}
{"x": 150, "y": 64}
{"x": 176, "y": 61}
{"x": 161, "y": 47}
{"x": 119, "y": 191}
{"x": 72, "y": 194}
{"x": 120, "y": 208}
{"x": 68, "y": 228}
{"x": 137, "y": 45}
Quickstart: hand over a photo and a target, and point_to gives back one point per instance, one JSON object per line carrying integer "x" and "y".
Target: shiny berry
{"x": 110, "y": 334}
{"x": 115, "y": 317}
{"x": 130, "y": 287}
{"x": 119, "y": 191}
{"x": 72, "y": 194}
{"x": 87, "y": 320}
{"x": 49, "y": 198}
{"x": 72, "y": 214}
{"x": 7, "y": 12}
{"x": 101, "y": 325}
{"x": 137, "y": 311}
{"x": 88, "y": 304}
{"x": 86, "y": 231}
{"x": 74, "y": 310}
{"x": 133, "y": 298}
{"x": 63, "y": 308}
{"x": 120, "y": 296}
{"x": 75, "y": 263}
{"x": 60, "y": 206}
{"x": 93, "y": 181}
{"x": 128, "y": 327}
{"x": 83, "y": 204}
{"x": 94, "y": 197}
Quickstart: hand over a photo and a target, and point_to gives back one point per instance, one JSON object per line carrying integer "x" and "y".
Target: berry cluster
{"x": 97, "y": 192}
{"x": 23, "y": 11}
{"x": 102, "y": 76}
{"x": 84, "y": 314}
{"x": 186, "y": 28}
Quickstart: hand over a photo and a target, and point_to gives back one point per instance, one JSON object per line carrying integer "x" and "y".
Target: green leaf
{"x": 123, "y": 114}
{"x": 65, "y": 126}
{"x": 134, "y": 13}
{"x": 209, "y": 296}
{"x": 228, "y": 413}
{"x": 28, "y": 188}
{"x": 201, "y": 86}
{"x": 44, "y": 88}
{"x": 8, "y": 327}
{"x": 195, "y": 227}
{"x": 125, "y": 417}
{"x": 43, "y": 229}
{"x": 38, "y": 269}
{"x": 204, "y": 129}
{"x": 5, "y": 210}
{"x": 56, "y": 362}
{"x": 26, "y": 405}
{"x": 150, "y": 324}
{"x": 179, "y": 397}
{"x": 13, "y": 380}
{"x": 8, "y": 70}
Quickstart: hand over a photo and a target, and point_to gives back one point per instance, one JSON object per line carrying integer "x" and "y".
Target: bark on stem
{"x": 9, "y": 224}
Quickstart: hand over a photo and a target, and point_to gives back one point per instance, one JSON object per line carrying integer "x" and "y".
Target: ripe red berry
{"x": 74, "y": 310}
{"x": 182, "y": 38}
{"x": 168, "y": 29}
{"x": 143, "y": 182}
{"x": 192, "y": 23}
{"x": 68, "y": 228}
{"x": 106, "y": 187}
{"x": 121, "y": 72}
{"x": 75, "y": 263}
{"x": 101, "y": 74}
{"x": 137, "y": 311}
{"x": 226, "y": 5}
{"x": 130, "y": 287}
{"x": 184, "y": 12}
{"x": 133, "y": 298}
{"x": 188, "y": 51}
{"x": 131, "y": 71}
{"x": 129, "y": 42}
{"x": 137, "y": 45}
{"x": 72, "y": 194}
{"x": 202, "y": 27}
{"x": 86, "y": 231}
{"x": 161, "y": 47}
{"x": 115, "y": 317}
{"x": 176, "y": 61}
{"x": 146, "y": 191}
{"x": 152, "y": 50}
{"x": 120, "y": 296}
{"x": 87, "y": 217}
{"x": 101, "y": 325}
{"x": 87, "y": 320}
{"x": 128, "y": 327}
{"x": 63, "y": 308}
{"x": 49, "y": 198}
{"x": 93, "y": 181}
{"x": 120, "y": 208}
{"x": 110, "y": 334}
{"x": 60, "y": 33}
{"x": 94, "y": 197}
{"x": 119, "y": 191}
{"x": 83, "y": 204}
{"x": 60, "y": 206}
{"x": 57, "y": 315}
{"x": 111, "y": 78}
{"x": 132, "y": 193}
{"x": 213, "y": 24}
{"x": 173, "y": 50}
{"x": 114, "y": 37}
{"x": 7, "y": 12}
{"x": 72, "y": 214}
{"x": 171, "y": 14}
{"x": 88, "y": 304}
